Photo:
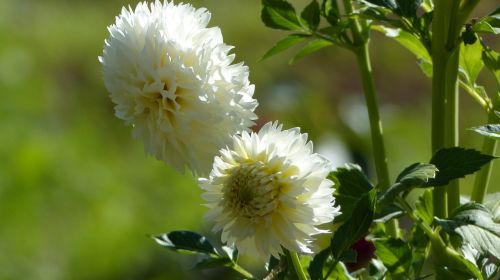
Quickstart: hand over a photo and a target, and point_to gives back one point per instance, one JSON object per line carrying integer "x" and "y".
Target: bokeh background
{"x": 78, "y": 197}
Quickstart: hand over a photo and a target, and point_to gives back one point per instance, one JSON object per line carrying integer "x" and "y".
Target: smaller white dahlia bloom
{"x": 171, "y": 78}
{"x": 269, "y": 191}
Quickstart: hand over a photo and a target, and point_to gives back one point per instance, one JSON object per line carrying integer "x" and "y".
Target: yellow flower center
{"x": 252, "y": 191}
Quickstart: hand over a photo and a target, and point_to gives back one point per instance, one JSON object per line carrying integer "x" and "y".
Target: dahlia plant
{"x": 268, "y": 194}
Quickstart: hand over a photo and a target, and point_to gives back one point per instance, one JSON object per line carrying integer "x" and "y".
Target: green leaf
{"x": 492, "y": 61}
{"x": 492, "y": 202}
{"x": 279, "y": 14}
{"x": 330, "y": 10}
{"x": 395, "y": 254}
{"x": 284, "y": 44}
{"x": 311, "y": 47}
{"x": 186, "y": 242}
{"x": 350, "y": 183}
{"x": 408, "y": 8}
{"x": 340, "y": 272}
{"x": 407, "y": 40}
{"x": 456, "y": 162}
{"x": 417, "y": 174}
{"x": 475, "y": 225}
{"x": 424, "y": 207}
{"x": 483, "y": 26}
{"x": 311, "y": 15}
{"x": 413, "y": 176}
{"x": 315, "y": 268}
{"x": 470, "y": 62}
{"x": 489, "y": 130}
{"x": 232, "y": 253}
{"x": 357, "y": 226}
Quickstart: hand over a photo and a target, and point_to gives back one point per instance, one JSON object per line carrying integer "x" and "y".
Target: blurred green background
{"x": 78, "y": 197}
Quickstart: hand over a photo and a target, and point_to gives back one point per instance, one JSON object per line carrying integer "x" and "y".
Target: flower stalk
{"x": 294, "y": 257}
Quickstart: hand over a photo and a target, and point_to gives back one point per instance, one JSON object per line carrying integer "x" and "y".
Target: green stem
{"x": 483, "y": 176}
{"x": 243, "y": 272}
{"x": 297, "y": 266}
{"x": 451, "y": 121}
{"x": 361, "y": 51}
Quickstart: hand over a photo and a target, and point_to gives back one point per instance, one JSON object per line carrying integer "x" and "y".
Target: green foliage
{"x": 330, "y": 11}
{"x": 356, "y": 227}
{"x": 415, "y": 175}
{"x": 492, "y": 61}
{"x": 395, "y": 254}
{"x": 279, "y": 14}
{"x": 310, "y": 16}
{"x": 475, "y": 225}
{"x": 456, "y": 162}
{"x": 350, "y": 183}
{"x": 284, "y": 44}
{"x": 424, "y": 207}
{"x": 311, "y": 47}
{"x": 186, "y": 241}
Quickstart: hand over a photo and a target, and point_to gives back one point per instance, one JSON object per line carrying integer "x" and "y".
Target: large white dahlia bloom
{"x": 172, "y": 79}
{"x": 269, "y": 191}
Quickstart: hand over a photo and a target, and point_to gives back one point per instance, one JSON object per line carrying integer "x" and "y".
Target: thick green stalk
{"x": 451, "y": 123}
{"x": 440, "y": 58}
{"x": 363, "y": 58}
{"x": 297, "y": 266}
{"x": 483, "y": 176}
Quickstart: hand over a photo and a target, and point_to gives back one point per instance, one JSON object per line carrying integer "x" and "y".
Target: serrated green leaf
{"x": 395, "y": 254}
{"x": 489, "y": 130}
{"x": 492, "y": 202}
{"x": 311, "y": 15}
{"x": 279, "y": 14}
{"x": 456, "y": 162}
{"x": 424, "y": 207}
{"x": 470, "y": 62}
{"x": 284, "y": 44}
{"x": 357, "y": 226}
{"x": 315, "y": 268}
{"x": 311, "y": 47}
{"x": 186, "y": 242}
{"x": 475, "y": 225}
{"x": 350, "y": 183}
{"x": 411, "y": 177}
{"x": 330, "y": 10}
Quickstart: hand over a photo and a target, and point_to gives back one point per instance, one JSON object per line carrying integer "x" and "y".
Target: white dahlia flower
{"x": 172, "y": 79}
{"x": 269, "y": 191}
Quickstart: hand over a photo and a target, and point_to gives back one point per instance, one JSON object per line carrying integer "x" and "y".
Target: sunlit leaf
{"x": 475, "y": 225}
{"x": 470, "y": 61}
